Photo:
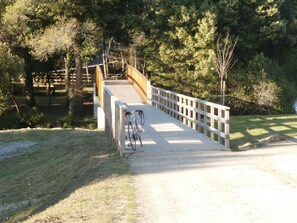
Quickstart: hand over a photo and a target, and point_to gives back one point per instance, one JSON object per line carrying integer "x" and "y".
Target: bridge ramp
{"x": 124, "y": 91}
{"x": 162, "y": 133}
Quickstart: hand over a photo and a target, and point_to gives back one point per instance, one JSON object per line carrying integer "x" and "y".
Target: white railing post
{"x": 149, "y": 92}
{"x": 212, "y": 122}
{"x": 95, "y": 100}
{"x": 219, "y": 124}
{"x": 227, "y": 128}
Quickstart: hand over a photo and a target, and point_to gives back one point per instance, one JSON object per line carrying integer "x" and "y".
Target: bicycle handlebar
{"x": 140, "y": 113}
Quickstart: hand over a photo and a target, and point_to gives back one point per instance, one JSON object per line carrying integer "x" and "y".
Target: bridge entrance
{"x": 173, "y": 121}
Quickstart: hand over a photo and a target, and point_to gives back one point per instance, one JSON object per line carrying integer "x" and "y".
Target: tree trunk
{"x": 17, "y": 107}
{"x": 224, "y": 90}
{"x": 104, "y": 63}
{"x": 221, "y": 92}
{"x": 122, "y": 60}
{"x": 135, "y": 57}
{"x": 79, "y": 70}
{"x": 29, "y": 89}
{"x": 67, "y": 75}
{"x": 67, "y": 70}
{"x": 49, "y": 90}
{"x": 75, "y": 105}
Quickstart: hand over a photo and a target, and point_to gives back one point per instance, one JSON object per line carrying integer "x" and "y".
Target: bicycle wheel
{"x": 131, "y": 135}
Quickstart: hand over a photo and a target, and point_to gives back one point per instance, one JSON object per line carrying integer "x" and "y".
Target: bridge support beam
{"x": 100, "y": 118}
{"x": 96, "y": 102}
{"x": 98, "y": 111}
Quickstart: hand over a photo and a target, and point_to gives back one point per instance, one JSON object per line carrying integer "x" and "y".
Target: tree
{"x": 10, "y": 68}
{"x": 224, "y": 61}
{"x": 77, "y": 40}
{"x": 180, "y": 47}
{"x": 20, "y": 20}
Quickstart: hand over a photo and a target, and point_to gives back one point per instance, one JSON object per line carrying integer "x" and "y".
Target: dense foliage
{"x": 10, "y": 68}
{"x": 172, "y": 41}
{"x": 180, "y": 48}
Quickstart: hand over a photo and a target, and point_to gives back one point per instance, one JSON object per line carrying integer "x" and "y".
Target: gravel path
{"x": 217, "y": 186}
{"x": 181, "y": 176}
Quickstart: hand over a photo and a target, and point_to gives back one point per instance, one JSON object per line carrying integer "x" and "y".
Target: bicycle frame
{"x": 134, "y": 130}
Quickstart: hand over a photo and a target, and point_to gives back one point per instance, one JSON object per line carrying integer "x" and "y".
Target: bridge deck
{"x": 162, "y": 133}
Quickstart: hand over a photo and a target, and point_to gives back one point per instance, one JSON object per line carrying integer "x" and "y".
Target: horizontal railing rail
{"x": 141, "y": 83}
{"x": 57, "y": 77}
{"x": 211, "y": 119}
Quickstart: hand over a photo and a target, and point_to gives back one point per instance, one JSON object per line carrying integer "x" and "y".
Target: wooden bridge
{"x": 174, "y": 121}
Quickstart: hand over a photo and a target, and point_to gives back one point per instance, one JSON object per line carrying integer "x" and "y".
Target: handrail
{"x": 100, "y": 84}
{"x": 211, "y": 119}
{"x": 141, "y": 83}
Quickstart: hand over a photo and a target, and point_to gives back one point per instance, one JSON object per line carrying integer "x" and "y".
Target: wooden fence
{"x": 140, "y": 82}
{"x": 58, "y": 77}
{"x": 115, "y": 121}
{"x": 211, "y": 119}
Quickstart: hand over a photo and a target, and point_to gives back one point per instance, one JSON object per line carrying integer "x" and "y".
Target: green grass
{"x": 250, "y": 129}
{"x": 67, "y": 176}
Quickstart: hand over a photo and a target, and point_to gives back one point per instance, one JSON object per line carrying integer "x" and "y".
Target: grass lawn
{"x": 249, "y": 129}
{"x": 67, "y": 176}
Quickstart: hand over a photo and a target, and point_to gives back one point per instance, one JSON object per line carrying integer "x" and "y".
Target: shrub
{"x": 266, "y": 94}
{"x": 31, "y": 118}
{"x": 261, "y": 88}
{"x": 3, "y": 104}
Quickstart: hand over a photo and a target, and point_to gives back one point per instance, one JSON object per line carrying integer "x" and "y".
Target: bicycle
{"x": 134, "y": 130}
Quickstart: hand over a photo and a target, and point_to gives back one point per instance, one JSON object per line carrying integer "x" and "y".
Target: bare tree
{"x": 224, "y": 61}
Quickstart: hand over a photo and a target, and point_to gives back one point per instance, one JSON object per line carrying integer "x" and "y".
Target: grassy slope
{"x": 68, "y": 176}
{"x": 249, "y": 129}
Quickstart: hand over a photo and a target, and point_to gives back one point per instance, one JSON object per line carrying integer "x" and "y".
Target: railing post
{"x": 219, "y": 125}
{"x": 212, "y": 121}
{"x": 205, "y": 118}
{"x": 227, "y": 128}
{"x": 194, "y": 125}
{"x": 149, "y": 92}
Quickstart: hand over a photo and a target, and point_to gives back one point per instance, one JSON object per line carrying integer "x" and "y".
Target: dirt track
{"x": 217, "y": 186}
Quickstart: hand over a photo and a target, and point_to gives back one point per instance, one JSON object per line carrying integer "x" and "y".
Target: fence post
{"x": 227, "y": 128}
{"x": 149, "y": 92}
{"x": 95, "y": 100}
{"x": 212, "y": 121}
{"x": 123, "y": 110}
{"x": 219, "y": 125}
{"x": 205, "y": 118}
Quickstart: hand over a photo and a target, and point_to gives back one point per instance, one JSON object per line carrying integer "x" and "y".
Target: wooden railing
{"x": 115, "y": 121}
{"x": 211, "y": 119}
{"x": 58, "y": 78}
{"x": 100, "y": 84}
{"x": 141, "y": 83}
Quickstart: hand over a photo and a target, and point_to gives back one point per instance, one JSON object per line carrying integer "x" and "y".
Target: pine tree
{"x": 183, "y": 54}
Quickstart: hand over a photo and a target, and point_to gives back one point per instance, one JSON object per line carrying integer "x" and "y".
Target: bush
{"x": 266, "y": 94}
{"x": 261, "y": 88}
{"x": 31, "y": 118}
{"x": 3, "y": 103}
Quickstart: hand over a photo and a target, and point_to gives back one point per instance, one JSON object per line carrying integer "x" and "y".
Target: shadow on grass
{"x": 249, "y": 129}
{"x": 62, "y": 162}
